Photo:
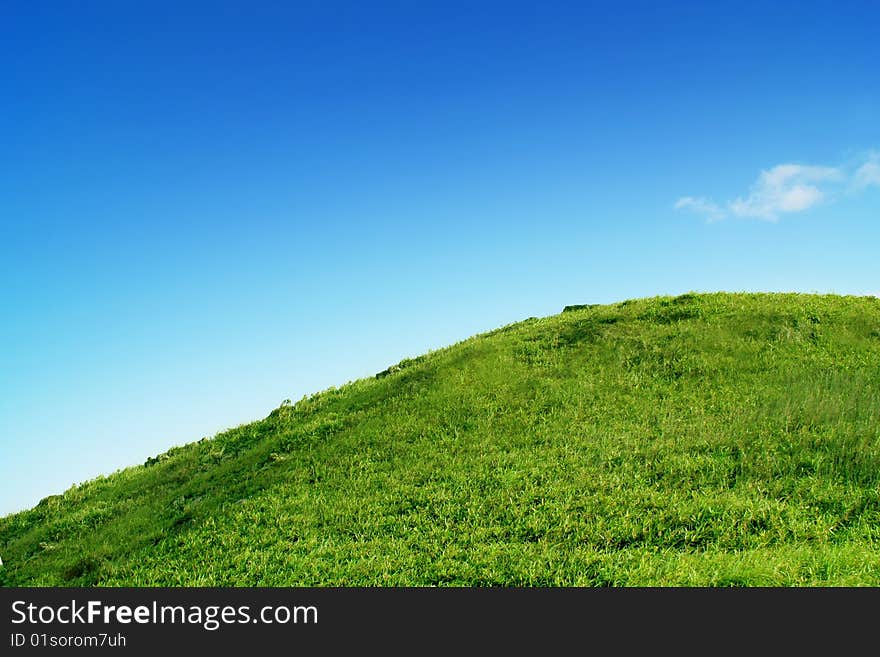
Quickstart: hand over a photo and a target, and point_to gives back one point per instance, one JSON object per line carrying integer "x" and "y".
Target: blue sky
{"x": 207, "y": 208}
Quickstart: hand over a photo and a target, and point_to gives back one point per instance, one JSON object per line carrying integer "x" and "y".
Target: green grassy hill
{"x": 706, "y": 439}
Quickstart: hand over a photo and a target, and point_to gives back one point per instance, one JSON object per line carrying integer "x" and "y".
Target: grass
{"x": 706, "y": 439}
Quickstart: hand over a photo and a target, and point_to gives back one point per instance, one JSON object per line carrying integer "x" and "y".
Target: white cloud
{"x": 700, "y": 206}
{"x": 869, "y": 173}
{"x": 786, "y": 189}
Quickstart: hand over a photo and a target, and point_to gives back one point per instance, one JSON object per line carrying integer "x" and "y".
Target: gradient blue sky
{"x": 207, "y": 208}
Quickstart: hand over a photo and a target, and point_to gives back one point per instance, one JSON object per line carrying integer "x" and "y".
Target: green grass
{"x": 706, "y": 439}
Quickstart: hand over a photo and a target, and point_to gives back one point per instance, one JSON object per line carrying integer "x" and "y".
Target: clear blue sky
{"x": 207, "y": 208}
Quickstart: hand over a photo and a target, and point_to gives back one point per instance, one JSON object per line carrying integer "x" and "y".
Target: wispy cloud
{"x": 783, "y": 189}
{"x": 869, "y": 173}
{"x": 786, "y": 189}
{"x": 700, "y": 206}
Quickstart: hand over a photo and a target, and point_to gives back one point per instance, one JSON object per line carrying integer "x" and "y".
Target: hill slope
{"x": 703, "y": 439}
